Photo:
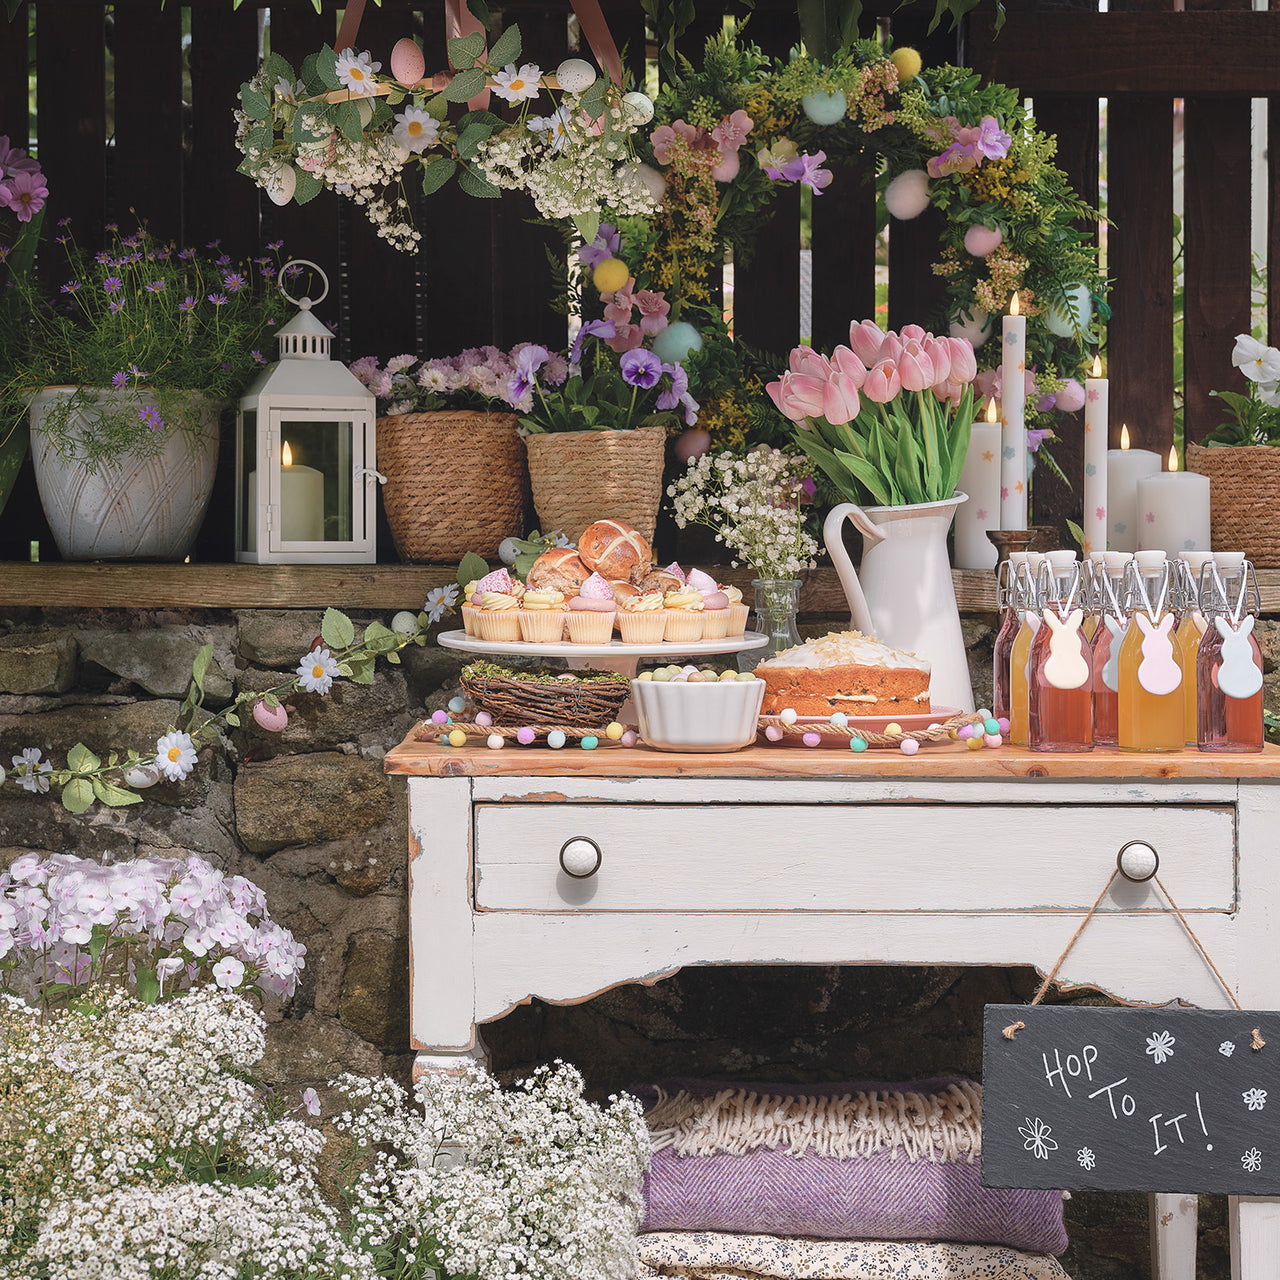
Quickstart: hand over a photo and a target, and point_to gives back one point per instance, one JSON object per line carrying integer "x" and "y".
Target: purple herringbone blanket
{"x": 907, "y": 1182}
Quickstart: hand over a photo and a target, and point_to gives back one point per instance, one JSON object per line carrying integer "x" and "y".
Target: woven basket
{"x": 579, "y": 477}
{"x": 1244, "y": 498}
{"x": 583, "y": 704}
{"x": 455, "y": 482}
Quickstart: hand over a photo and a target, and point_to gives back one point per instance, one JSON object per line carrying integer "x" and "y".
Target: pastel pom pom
{"x": 596, "y": 588}
{"x": 811, "y": 739}
{"x": 893, "y": 727}
{"x": 439, "y": 717}
{"x": 555, "y": 739}
{"x": 1003, "y": 722}
{"x": 484, "y": 719}
{"x": 824, "y": 108}
{"x": 273, "y": 719}
{"x": 673, "y": 343}
{"x": 613, "y": 731}
{"x": 457, "y": 703}
{"x": 980, "y": 241}
{"x": 524, "y": 735}
{"x": 991, "y": 726}
{"x": 773, "y": 733}
{"x": 974, "y": 743}
{"x": 457, "y": 738}
{"x": 910, "y": 746}
{"x": 908, "y": 62}
{"x": 993, "y": 739}
{"x": 1070, "y": 397}
{"x": 787, "y": 715}
{"x": 839, "y": 719}
{"x": 907, "y": 196}
{"x": 984, "y": 712}
{"x": 629, "y": 738}
{"x": 612, "y": 274}
{"x": 857, "y": 744}
{"x": 965, "y": 731}
{"x": 495, "y": 742}
{"x": 691, "y": 444}
{"x": 590, "y": 742}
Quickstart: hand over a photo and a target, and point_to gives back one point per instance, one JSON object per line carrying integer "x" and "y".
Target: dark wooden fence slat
{"x": 14, "y": 114}
{"x": 844, "y": 254}
{"x": 73, "y": 124}
{"x": 1273, "y": 220}
{"x": 146, "y": 156}
{"x": 221, "y": 205}
{"x": 1140, "y": 263}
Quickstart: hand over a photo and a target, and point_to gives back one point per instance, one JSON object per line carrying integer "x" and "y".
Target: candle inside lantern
{"x": 1173, "y": 510}
{"x": 981, "y": 481}
{"x": 1125, "y": 467}
{"x": 1013, "y": 402}
{"x": 1094, "y": 524}
{"x": 301, "y": 503}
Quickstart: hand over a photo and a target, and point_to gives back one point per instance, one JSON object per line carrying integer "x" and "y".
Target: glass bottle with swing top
{"x": 1020, "y": 654}
{"x": 1105, "y": 649}
{"x": 1229, "y": 662}
{"x": 1061, "y": 680}
{"x": 1150, "y": 694}
{"x": 1008, "y": 589}
{"x": 1090, "y": 570}
{"x": 1190, "y": 631}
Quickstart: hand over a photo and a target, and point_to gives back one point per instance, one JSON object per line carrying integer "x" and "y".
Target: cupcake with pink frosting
{"x": 591, "y": 612}
{"x": 497, "y": 601}
{"x": 715, "y": 605}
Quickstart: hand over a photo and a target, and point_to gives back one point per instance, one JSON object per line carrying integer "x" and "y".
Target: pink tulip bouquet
{"x": 886, "y": 418}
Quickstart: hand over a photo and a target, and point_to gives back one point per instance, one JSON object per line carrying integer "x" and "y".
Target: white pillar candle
{"x": 1094, "y": 523}
{"x": 1173, "y": 510}
{"x": 1125, "y": 467}
{"x": 301, "y": 504}
{"x": 1013, "y": 406}
{"x": 980, "y": 479}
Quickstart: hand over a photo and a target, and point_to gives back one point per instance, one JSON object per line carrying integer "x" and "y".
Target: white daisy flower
{"x": 289, "y": 92}
{"x": 30, "y": 770}
{"x": 175, "y": 756}
{"x": 439, "y": 601}
{"x": 317, "y": 670}
{"x": 356, "y": 70}
{"x": 557, "y": 124}
{"x": 517, "y": 86}
{"x": 415, "y": 130}
{"x": 228, "y": 973}
{"x": 1257, "y": 361}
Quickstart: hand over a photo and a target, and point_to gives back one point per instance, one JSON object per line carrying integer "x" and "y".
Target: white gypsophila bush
{"x": 159, "y": 925}
{"x": 112, "y": 1104}
{"x": 486, "y": 1183}
{"x": 752, "y": 504}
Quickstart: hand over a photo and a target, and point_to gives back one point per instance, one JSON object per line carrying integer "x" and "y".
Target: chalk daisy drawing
{"x": 1160, "y": 1046}
{"x": 1227, "y": 1048}
{"x": 1036, "y": 1139}
{"x": 1085, "y": 1158}
{"x": 1251, "y": 1161}
{"x": 1255, "y": 1099}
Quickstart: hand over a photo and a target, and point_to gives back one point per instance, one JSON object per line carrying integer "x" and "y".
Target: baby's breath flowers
{"x": 752, "y": 503}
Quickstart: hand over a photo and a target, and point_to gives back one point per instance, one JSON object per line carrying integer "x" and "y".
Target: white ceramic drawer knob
{"x": 580, "y": 857}
{"x": 1138, "y": 861}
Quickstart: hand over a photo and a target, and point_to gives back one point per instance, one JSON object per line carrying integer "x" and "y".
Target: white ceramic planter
{"x": 134, "y": 508}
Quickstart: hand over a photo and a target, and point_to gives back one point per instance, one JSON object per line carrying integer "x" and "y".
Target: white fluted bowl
{"x": 713, "y": 716}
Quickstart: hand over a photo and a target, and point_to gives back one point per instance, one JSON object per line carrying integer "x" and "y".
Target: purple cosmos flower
{"x": 185, "y": 255}
{"x": 605, "y": 245}
{"x": 119, "y": 380}
{"x": 154, "y": 287}
{"x": 187, "y": 304}
{"x": 64, "y": 222}
{"x": 641, "y": 368}
{"x": 112, "y": 284}
{"x": 275, "y": 244}
{"x": 596, "y": 328}
{"x": 257, "y": 357}
{"x": 71, "y": 286}
{"x": 233, "y": 280}
{"x": 150, "y": 415}
{"x": 218, "y": 299}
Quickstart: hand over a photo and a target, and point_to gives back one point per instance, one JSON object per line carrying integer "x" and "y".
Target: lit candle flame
{"x": 1097, "y": 366}
{"x": 1124, "y": 436}
{"x": 286, "y": 455}
{"x": 1173, "y": 457}
{"x": 1013, "y": 306}
{"x": 991, "y": 409}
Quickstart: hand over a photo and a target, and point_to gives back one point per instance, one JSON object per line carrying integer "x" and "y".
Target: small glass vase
{"x": 777, "y": 600}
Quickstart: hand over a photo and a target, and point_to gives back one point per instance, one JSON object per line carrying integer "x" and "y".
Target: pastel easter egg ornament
{"x": 692, "y": 444}
{"x": 654, "y": 182}
{"x": 824, "y": 108}
{"x": 1064, "y": 322}
{"x": 980, "y": 241}
{"x": 676, "y": 341}
{"x": 273, "y": 719}
{"x": 508, "y": 551}
{"x": 142, "y": 776}
{"x": 404, "y": 623}
{"x": 637, "y": 108}
{"x": 575, "y": 76}
{"x": 974, "y": 326}
{"x": 407, "y": 63}
{"x": 907, "y": 196}
{"x": 280, "y": 182}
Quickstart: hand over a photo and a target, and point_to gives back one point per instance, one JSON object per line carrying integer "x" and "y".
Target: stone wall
{"x": 309, "y": 815}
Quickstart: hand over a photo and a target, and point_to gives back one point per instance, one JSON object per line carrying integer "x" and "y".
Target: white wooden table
{"x": 820, "y": 856}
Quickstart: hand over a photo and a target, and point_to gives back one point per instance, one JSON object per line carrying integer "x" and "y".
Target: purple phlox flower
{"x": 990, "y": 141}
{"x": 805, "y": 169}
{"x": 150, "y": 415}
{"x": 593, "y": 328}
{"x": 670, "y": 395}
{"x": 605, "y": 245}
{"x": 218, "y": 299}
{"x": 154, "y": 287}
{"x": 187, "y": 304}
{"x": 71, "y": 286}
{"x": 257, "y": 357}
{"x": 275, "y": 244}
{"x": 112, "y": 284}
{"x": 119, "y": 380}
{"x": 233, "y": 280}
{"x": 641, "y": 368}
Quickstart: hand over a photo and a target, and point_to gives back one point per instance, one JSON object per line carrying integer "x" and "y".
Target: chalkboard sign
{"x": 1173, "y": 1100}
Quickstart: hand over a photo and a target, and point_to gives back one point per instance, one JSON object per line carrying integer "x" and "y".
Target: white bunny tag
{"x": 1238, "y": 676}
{"x": 1158, "y": 673}
{"x": 1066, "y": 666}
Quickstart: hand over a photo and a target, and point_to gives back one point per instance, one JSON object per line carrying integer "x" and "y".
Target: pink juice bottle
{"x": 1105, "y": 649}
{"x": 1229, "y": 661}
{"x": 1009, "y": 596}
{"x": 1061, "y": 678}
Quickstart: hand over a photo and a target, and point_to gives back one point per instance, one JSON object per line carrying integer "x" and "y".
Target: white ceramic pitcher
{"x": 903, "y": 594}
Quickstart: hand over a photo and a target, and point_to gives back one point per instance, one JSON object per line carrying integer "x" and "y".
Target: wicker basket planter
{"x": 587, "y": 701}
{"x": 456, "y": 482}
{"x": 582, "y": 476}
{"x": 1244, "y": 497}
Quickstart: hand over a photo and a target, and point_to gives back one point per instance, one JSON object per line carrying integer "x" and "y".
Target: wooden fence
{"x": 161, "y": 143}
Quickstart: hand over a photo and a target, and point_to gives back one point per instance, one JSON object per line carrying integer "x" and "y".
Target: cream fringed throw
{"x": 946, "y": 1125}
{"x": 712, "y": 1256}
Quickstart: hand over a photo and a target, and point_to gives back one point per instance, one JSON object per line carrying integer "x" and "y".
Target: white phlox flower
{"x": 317, "y": 670}
{"x": 175, "y": 755}
{"x": 228, "y": 973}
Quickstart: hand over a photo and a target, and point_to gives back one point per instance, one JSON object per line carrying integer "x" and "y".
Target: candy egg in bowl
{"x": 684, "y": 709}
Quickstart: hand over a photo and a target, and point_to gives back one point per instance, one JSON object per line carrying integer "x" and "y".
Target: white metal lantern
{"x": 305, "y": 454}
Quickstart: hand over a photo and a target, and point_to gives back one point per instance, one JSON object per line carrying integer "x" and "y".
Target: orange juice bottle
{"x": 1020, "y": 656}
{"x": 1092, "y": 571}
{"x": 1190, "y": 632}
{"x": 1106, "y": 647}
{"x": 1151, "y": 716}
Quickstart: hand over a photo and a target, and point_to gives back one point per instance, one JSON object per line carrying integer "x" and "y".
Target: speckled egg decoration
{"x": 407, "y": 63}
{"x": 639, "y": 107}
{"x": 575, "y": 76}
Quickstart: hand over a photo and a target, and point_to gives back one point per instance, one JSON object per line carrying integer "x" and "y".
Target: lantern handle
{"x": 304, "y": 303}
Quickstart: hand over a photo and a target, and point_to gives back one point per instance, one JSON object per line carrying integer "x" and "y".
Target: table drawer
{"x": 877, "y": 857}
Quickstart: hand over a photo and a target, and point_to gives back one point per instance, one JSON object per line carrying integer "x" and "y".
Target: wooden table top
{"x": 430, "y": 759}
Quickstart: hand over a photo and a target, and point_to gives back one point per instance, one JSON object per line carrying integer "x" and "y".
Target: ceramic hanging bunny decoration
{"x": 1067, "y": 667}
{"x": 1238, "y": 676}
{"x": 1158, "y": 672}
